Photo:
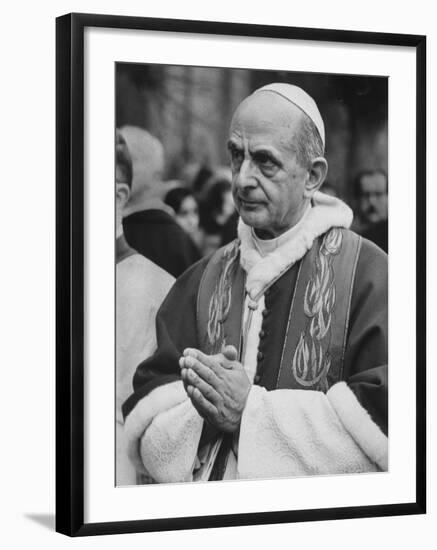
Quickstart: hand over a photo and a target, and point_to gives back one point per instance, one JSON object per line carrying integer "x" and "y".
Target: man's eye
{"x": 237, "y": 156}
{"x": 264, "y": 160}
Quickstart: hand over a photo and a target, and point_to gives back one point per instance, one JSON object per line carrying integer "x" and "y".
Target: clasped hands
{"x": 217, "y": 385}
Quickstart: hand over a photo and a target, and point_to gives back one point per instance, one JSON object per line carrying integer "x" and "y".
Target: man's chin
{"x": 251, "y": 218}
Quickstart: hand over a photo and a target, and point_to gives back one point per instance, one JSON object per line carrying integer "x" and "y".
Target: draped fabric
{"x": 365, "y": 364}
{"x": 345, "y": 421}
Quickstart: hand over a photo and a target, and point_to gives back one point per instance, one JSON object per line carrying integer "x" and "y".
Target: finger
{"x": 208, "y": 360}
{"x": 215, "y": 362}
{"x": 183, "y": 363}
{"x": 230, "y": 353}
{"x": 229, "y": 357}
{"x": 205, "y": 406}
{"x": 185, "y": 380}
{"x": 190, "y": 392}
{"x": 206, "y": 390}
{"x": 190, "y": 389}
{"x": 190, "y": 352}
{"x": 203, "y": 371}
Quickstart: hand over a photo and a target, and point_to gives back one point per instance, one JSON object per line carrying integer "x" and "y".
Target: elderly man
{"x": 272, "y": 354}
{"x": 149, "y": 224}
{"x": 141, "y": 288}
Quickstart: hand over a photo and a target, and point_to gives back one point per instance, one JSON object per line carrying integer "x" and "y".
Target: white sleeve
{"x": 163, "y": 433}
{"x": 303, "y": 432}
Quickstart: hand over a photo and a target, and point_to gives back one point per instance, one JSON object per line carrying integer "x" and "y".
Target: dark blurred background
{"x": 189, "y": 110}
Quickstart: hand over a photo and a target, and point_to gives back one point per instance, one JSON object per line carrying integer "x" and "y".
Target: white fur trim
{"x": 359, "y": 424}
{"x": 293, "y": 433}
{"x": 326, "y": 213}
{"x": 158, "y": 401}
{"x": 124, "y": 470}
{"x": 169, "y": 446}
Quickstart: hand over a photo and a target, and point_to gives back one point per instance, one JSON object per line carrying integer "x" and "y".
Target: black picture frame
{"x": 70, "y": 273}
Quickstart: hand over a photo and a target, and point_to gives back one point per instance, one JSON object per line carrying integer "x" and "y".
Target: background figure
{"x": 148, "y": 223}
{"x": 371, "y": 187}
{"x": 201, "y": 180}
{"x": 186, "y": 211}
{"x": 140, "y": 288}
{"x": 216, "y": 211}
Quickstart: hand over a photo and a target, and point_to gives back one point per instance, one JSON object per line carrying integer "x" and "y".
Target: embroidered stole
{"x": 314, "y": 345}
{"x": 313, "y": 351}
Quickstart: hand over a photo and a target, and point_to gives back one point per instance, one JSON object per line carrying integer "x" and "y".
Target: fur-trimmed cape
{"x": 284, "y": 432}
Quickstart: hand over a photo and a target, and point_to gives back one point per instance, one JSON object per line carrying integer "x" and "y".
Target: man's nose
{"x": 246, "y": 177}
{"x": 373, "y": 199}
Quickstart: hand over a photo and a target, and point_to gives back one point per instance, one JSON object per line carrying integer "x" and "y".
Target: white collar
{"x": 266, "y": 246}
{"x": 327, "y": 212}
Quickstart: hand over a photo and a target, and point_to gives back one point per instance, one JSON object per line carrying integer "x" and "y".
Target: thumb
{"x": 230, "y": 352}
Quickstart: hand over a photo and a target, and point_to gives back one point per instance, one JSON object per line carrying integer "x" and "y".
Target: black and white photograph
{"x": 251, "y": 272}
{"x": 240, "y": 291}
{"x": 217, "y": 268}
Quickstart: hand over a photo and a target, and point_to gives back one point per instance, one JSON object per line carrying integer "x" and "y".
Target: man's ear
{"x": 317, "y": 174}
{"x": 122, "y": 193}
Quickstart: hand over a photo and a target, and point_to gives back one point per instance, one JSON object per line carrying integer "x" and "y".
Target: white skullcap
{"x": 301, "y": 99}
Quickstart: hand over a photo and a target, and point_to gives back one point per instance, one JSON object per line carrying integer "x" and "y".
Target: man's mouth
{"x": 249, "y": 202}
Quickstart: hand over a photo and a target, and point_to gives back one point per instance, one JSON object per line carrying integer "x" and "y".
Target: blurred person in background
{"x": 186, "y": 212}
{"x": 216, "y": 212}
{"x": 141, "y": 286}
{"x": 200, "y": 181}
{"x": 371, "y": 188}
{"x": 148, "y": 222}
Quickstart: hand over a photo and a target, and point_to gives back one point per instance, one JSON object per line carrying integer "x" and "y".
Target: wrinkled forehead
{"x": 266, "y": 109}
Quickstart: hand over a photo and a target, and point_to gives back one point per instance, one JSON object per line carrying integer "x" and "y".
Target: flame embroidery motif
{"x": 220, "y": 302}
{"x": 311, "y": 359}
{"x": 332, "y": 242}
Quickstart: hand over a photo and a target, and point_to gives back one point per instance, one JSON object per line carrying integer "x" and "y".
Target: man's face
{"x": 268, "y": 184}
{"x": 373, "y": 198}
